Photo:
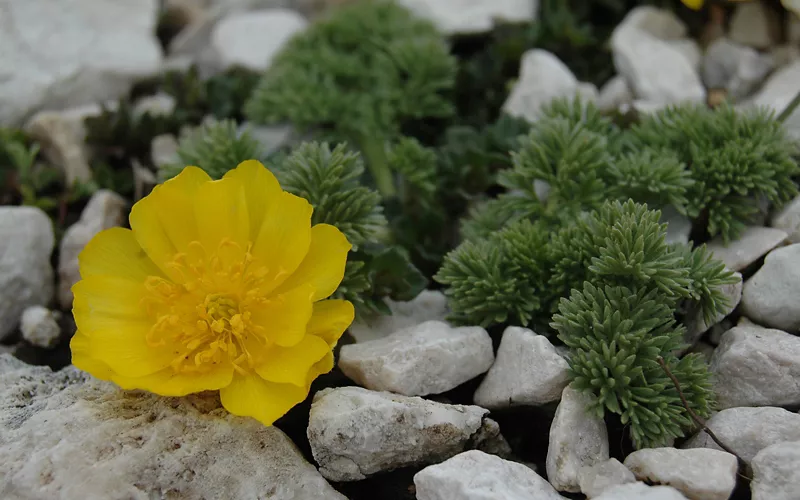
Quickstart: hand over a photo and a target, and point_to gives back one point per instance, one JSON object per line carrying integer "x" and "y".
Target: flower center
{"x": 205, "y": 317}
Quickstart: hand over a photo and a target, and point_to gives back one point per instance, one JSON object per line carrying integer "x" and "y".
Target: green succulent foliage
{"x": 735, "y": 159}
{"x": 616, "y": 335}
{"x": 23, "y": 183}
{"x": 660, "y": 179}
{"x": 215, "y": 147}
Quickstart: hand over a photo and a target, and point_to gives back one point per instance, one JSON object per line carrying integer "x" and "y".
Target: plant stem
{"x": 789, "y": 109}
{"x": 743, "y": 465}
{"x": 375, "y": 155}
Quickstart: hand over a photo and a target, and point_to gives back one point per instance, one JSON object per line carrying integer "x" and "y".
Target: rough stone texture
{"x": 770, "y": 295}
{"x": 63, "y": 53}
{"x": 753, "y": 24}
{"x": 542, "y": 78}
{"x": 753, "y": 244}
{"x": 755, "y": 366}
{"x": 475, "y": 475}
{"x": 776, "y": 472}
{"x": 104, "y": 210}
{"x": 777, "y": 92}
{"x": 472, "y": 16}
{"x": 26, "y": 277}
{"x": 640, "y": 491}
{"x": 596, "y": 479}
{"x": 788, "y": 219}
{"x": 700, "y": 474}
{"x": 429, "y": 358}
{"x": 39, "y": 326}
{"x": 735, "y": 68}
{"x": 355, "y": 432}
{"x": 428, "y": 305}
{"x": 614, "y": 94}
{"x": 645, "y": 54}
{"x": 577, "y": 439}
{"x": 528, "y": 371}
{"x": 749, "y": 430}
{"x": 67, "y": 435}
{"x": 252, "y": 39}
{"x": 61, "y": 135}
{"x": 696, "y": 324}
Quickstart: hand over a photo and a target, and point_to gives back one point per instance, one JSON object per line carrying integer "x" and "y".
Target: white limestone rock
{"x": 647, "y": 56}
{"x": 753, "y": 244}
{"x": 753, "y": 24}
{"x": 356, "y": 432}
{"x": 164, "y": 150}
{"x": 696, "y": 324}
{"x": 104, "y": 210}
{"x": 614, "y": 94}
{"x": 776, "y": 94}
{"x": 640, "y": 491}
{"x": 690, "y": 49}
{"x": 749, "y": 430}
{"x": 428, "y": 305}
{"x": 472, "y": 16}
{"x": 755, "y": 366}
{"x": 26, "y": 276}
{"x": 429, "y": 358}
{"x": 542, "y": 78}
{"x": 65, "y": 53}
{"x": 475, "y": 475}
{"x": 39, "y": 326}
{"x": 769, "y": 296}
{"x": 776, "y": 472}
{"x": 252, "y": 39}
{"x": 68, "y": 435}
{"x": 577, "y": 439}
{"x": 595, "y": 479}
{"x": 700, "y": 473}
{"x": 788, "y": 219}
{"x": 528, "y": 371}
{"x": 679, "y": 226}
{"x": 270, "y": 137}
{"x": 155, "y": 105}
{"x": 734, "y": 67}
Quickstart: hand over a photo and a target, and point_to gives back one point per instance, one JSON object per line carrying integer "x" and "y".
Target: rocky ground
{"x": 415, "y": 408}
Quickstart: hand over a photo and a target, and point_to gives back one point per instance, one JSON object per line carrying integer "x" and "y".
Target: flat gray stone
{"x": 754, "y": 243}
{"x": 768, "y": 297}
{"x": 700, "y": 473}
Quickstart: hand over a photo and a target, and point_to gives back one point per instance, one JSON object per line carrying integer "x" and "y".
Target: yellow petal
{"x": 285, "y": 317}
{"x": 251, "y": 396}
{"x": 693, "y": 4}
{"x": 260, "y": 188}
{"x": 221, "y": 213}
{"x": 115, "y": 252}
{"x": 321, "y": 367}
{"x": 330, "y": 319}
{"x": 291, "y": 365}
{"x": 82, "y": 359}
{"x": 284, "y": 238}
{"x": 324, "y": 264}
{"x": 109, "y": 295}
{"x": 162, "y": 222}
{"x": 168, "y": 383}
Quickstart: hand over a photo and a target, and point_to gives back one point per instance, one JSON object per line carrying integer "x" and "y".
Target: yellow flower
{"x": 693, "y": 4}
{"x": 218, "y": 285}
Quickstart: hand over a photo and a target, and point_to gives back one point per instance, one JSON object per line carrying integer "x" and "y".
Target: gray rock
{"x": 528, "y": 371}
{"x": 776, "y": 472}
{"x": 164, "y": 150}
{"x": 57, "y": 430}
{"x": 596, "y": 479}
{"x": 769, "y": 295}
{"x": 474, "y": 475}
{"x": 749, "y": 430}
{"x": 155, "y": 105}
{"x": 104, "y": 210}
{"x": 470, "y": 17}
{"x": 39, "y": 326}
{"x": 734, "y": 67}
{"x": 788, "y": 219}
{"x": 700, "y": 474}
{"x": 428, "y": 305}
{"x": 542, "y": 78}
{"x": 253, "y": 39}
{"x": 614, "y": 94}
{"x": 355, "y": 432}
{"x": 753, "y": 244}
{"x": 429, "y": 358}
{"x": 660, "y": 23}
{"x": 690, "y": 50}
{"x": 270, "y": 137}
{"x": 777, "y": 92}
{"x": 63, "y": 54}
{"x": 26, "y": 276}
{"x": 696, "y": 325}
{"x": 755, "y": 366}
{"x": 783, "y": 55}
{"x": 577, "y": 439}
{"x": 753, "y": 24}
{"x": 679, "y": 227}
{"x": 640, "y": 491}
